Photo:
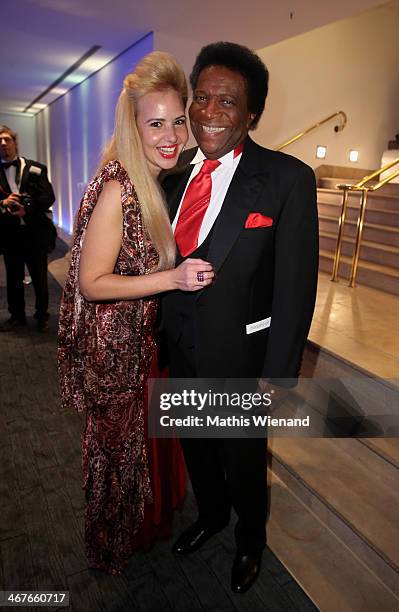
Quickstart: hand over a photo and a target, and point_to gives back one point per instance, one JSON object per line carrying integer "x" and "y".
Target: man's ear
{"x": 251, "y": 117}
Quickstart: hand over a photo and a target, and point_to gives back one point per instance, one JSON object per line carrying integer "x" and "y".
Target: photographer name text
{"x": 232, "y": 421}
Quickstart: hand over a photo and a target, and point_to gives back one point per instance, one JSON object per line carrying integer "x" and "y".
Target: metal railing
{"x": 337, "y": 128}
{"x": 364, "y": 190}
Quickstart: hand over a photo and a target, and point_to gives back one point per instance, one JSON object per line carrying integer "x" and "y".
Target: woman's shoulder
{"x": 113, "y": 170}
{"x": 111, "y": 176}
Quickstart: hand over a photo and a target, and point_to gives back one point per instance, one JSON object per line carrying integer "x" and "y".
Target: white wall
{"x": 350, "y": 65}
{"x": 25, "y": 126}
{"x": 74, "y": 129}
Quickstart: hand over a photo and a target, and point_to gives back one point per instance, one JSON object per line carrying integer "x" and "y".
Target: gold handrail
{"x": 337, "y": 128}
{"x": 370, "y": 177}
{"x": 385, "y": 180}
{"x": 360, "y": 186}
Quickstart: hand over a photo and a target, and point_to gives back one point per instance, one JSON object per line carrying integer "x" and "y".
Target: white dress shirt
{"x": 11, "y": 175}
{"x": 221, "y": 179}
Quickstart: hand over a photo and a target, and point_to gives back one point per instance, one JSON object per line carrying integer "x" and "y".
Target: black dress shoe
{"x": 12, "y": 324}
{"x": 193, "y": 538}
{"x": 245, "y": 571}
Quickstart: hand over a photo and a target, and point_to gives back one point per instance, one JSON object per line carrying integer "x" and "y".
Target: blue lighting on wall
{"x": 80, "y": 123}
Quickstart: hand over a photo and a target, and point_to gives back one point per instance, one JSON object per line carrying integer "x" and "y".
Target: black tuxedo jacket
{"x": 261, "y": 272}
{"x": 40, "y": 230}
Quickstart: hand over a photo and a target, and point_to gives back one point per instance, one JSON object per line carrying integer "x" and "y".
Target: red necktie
{"x": 193, "y": 208}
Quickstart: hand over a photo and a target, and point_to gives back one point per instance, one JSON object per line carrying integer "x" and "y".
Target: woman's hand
{"x": 192, "y": 275}
{"x": 101, "y": 247}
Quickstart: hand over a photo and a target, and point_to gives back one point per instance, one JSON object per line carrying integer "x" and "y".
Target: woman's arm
{"x": 100, "y": 251}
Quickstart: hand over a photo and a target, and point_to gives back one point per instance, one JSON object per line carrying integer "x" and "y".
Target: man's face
{"x": 219, "y": 113}
{"x": 8, "y": 147}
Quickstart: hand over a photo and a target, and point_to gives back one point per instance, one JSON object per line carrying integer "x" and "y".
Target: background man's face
{"x": 8, "y": 147}
{"x": 219, "y": 113}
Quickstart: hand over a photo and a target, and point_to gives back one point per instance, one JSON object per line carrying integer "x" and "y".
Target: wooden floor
{"x": 41, "y": 505}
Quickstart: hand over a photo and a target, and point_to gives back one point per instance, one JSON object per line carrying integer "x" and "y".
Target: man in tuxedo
{"x": 251, "y": 212}
{"x": 27, "y": 234}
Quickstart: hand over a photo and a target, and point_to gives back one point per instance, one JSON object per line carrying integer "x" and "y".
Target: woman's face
{"x": 161, "y": 123}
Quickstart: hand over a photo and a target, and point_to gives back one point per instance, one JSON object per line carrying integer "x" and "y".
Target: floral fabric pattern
{"x": 105, "y": 352}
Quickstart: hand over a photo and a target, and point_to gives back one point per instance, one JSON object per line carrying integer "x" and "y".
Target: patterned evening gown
{"x": 106, "y": 350}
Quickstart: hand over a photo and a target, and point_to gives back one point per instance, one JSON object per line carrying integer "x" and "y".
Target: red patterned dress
{"x": 105, "y": 354}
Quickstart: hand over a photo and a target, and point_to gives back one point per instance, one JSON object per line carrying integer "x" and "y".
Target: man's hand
{"x": 10, "y": 200}
{"x": 13, "y": 205}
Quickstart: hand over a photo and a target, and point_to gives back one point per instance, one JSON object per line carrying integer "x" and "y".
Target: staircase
{"x": 334, "y": 510}
{"x": 379, "y": 253}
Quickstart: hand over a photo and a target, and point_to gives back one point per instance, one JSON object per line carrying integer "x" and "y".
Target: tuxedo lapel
{"x": 176, "y": 181}
{"x": 24, "y": 175}
{"x": 241, "y": 196}
{"x": 5, "y": 187}
{"x": 176, "y": 190}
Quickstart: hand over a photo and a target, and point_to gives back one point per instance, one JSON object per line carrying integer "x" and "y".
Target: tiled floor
{"x": 361, "y": 325}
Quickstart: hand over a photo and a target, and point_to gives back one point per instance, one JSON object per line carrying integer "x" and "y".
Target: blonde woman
{"x": 122, "y": 257}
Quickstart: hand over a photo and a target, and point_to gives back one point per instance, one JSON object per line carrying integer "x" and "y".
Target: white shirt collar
{"x": 226, "y": 160}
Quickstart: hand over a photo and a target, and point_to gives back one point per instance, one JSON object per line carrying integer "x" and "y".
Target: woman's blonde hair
{"x": 157, "y": 71}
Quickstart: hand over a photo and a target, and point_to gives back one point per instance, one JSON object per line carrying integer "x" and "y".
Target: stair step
{"x": 368, "y": 243}
{"x": 353, "y": 490}
{"x": 382, "y": 254}
{"x": 331, "y": 574}
{"x": 379, "y": 216}
{"x": 334, "y": 509}
{"x": 370, "y": 206}
{"x": 386, "y": 447}
{"x": 329, "y": 351}
{"x": 387, "y": 270}
{"x": 381, "y": 277}
{"x": 373, "y": 232}
{"x": 379, "y": 226}
{"x": 379, "y": 254}
{"x": 342, "y": 473}
{"x": 377, "y": 199}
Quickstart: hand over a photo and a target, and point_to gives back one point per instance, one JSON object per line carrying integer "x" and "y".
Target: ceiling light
{"x": 64, "y": 76}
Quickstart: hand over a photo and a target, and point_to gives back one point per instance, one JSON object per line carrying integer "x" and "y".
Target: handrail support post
{"x": 341, "y": 223}
{"x": 359, "y": 232}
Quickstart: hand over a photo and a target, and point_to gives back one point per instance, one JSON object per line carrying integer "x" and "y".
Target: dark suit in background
{"x": 28, "y": 240}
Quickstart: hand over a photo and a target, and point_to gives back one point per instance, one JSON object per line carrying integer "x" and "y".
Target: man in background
{"x": 27, "y": 233}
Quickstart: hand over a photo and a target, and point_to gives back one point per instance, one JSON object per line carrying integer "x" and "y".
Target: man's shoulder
{"x": 186, "y": 157}
{"x": 276, "y": 160}
{"x": 31, "y": 163}
{"x": 170, "y": 177}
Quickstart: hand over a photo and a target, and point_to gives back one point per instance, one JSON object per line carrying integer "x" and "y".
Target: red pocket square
{"x": 258, "y": 220}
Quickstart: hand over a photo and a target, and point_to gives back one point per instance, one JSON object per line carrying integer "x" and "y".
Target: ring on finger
{"x": 200, "y": 277}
